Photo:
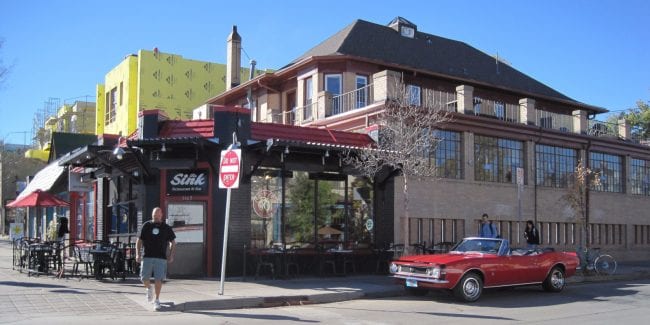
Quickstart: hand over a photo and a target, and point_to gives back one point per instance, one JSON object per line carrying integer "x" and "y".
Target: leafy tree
{"x": 638, "y": 117}
{"x": 407, "y": 140}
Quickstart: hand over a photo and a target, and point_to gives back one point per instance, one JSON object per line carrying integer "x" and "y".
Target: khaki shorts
{"x": 153, "y": 266}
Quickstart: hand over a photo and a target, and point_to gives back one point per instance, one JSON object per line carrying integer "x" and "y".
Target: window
{"x": 111, "y": 106}
{"x": 309, "y": 91}
{"x": 448, "y": 155}
{"x": 121, "y": 91}
{"x": 640, "y": 176}
{"x": 334, "y": 86}
{"x": 413, "y": 93}
{"x": 317, "y": 209}
{"x": 554, "y": 165}
{"x": 610, "y": 168}
{"x": 497, "y": 159}
{"x": 499, "y": 110}
{"x": 308, "y": 95}
{"x": 477, "y": 105}
{"x": 361, "y": 93}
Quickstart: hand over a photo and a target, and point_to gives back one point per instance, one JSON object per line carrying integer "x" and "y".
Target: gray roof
{"x": 429, "y": 53}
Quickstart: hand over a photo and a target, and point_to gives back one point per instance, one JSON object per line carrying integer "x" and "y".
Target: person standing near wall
{"x": 159, "y": 243}
{"x": 487, "y": 229}
{"x": 531, "y": 235}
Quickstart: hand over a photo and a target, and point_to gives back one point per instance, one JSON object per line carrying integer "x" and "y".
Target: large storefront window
{"x": 497, "y": 159}
{"x": 317, "y": 209}
{"x": 610, "y": 169}
{"x": 554, "y": 165}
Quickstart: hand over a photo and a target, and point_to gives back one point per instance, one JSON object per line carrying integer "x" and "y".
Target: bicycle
{"x": 592, "y": 260}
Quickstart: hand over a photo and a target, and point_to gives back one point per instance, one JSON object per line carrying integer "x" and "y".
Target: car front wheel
{"x": 555, "y": 281}
{"x": 469, "y": 288}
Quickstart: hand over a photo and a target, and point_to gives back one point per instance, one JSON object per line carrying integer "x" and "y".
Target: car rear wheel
{"x": 555, "y": 280}
{"x": 416, "y": 292}
{"x": 469, "y": 288}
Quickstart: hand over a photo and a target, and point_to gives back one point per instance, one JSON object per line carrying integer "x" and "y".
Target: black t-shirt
{"x": 155, "y": 238}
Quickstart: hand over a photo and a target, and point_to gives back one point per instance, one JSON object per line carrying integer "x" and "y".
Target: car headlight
{"x": 434, "y": 272}
{"x": 393, "y": 268}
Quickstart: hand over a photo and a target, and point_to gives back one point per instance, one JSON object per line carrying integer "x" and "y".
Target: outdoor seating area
{"x": 323, "y": 259}
{"x": 96, "y": 259}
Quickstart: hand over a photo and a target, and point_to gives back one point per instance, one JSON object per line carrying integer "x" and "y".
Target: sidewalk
{"x": 202, "y": 294}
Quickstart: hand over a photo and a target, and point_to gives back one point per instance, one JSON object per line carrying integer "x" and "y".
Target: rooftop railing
{"x": 602, "y": 129}
{"x": 496, "y": 109}
{"x": 555, "y": 121}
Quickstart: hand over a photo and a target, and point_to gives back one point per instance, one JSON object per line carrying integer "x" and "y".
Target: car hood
{"x": 438, "y": 258}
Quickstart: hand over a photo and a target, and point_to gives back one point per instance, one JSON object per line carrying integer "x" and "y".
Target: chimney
{"x": 233, "y": 60}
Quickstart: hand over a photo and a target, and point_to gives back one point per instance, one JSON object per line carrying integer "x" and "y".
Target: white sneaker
{"x": 156, "y": 305}
{"x": 149, "y": 295}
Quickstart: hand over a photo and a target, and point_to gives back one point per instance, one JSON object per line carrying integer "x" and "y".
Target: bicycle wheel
{"x": 605, "y": 265}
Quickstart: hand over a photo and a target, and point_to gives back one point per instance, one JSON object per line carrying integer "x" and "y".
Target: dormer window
{"x": 407, "y": 31}
{"x": 403, "y": 27}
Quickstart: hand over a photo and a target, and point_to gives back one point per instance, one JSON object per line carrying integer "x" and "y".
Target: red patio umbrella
{"x": 38, "y": 198}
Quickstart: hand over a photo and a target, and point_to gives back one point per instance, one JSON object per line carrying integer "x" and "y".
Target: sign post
{"x": 520, "y": 187}
{"x": 229, "y": 171}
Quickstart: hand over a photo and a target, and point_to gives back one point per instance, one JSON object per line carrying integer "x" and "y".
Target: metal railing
{"x": 306, "y": 113}
{"x": 602, "y": 129}
{"x": 352, "y": 100}
{"x": 496, "y": 109}
{"x": 432, "y": 98}
{"x": 555, "y": 121}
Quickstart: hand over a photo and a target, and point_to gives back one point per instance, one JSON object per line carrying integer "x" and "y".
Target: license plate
{"x": 411, "y": 283}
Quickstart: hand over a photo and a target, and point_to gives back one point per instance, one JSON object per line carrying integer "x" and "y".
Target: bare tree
{"x": 408, "y": 137}
{"x": 576, "y": 196}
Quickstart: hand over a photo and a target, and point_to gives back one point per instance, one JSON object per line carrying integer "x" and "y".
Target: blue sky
{"x": 593, "y": 51}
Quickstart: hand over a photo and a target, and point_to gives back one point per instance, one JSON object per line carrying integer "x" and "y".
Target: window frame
{"x": 639, "y": 176}
{"x": 562, "y": 165}
{"x": 414, "y": 95}
{"x": 596, "y": 161}
{"x": 450, "y": 145}
{"x": 502, "y": 150}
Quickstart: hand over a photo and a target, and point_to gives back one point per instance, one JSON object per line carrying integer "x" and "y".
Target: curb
{"x": 278, "y": 301}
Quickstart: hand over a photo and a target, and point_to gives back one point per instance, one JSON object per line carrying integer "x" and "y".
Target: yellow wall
{"x": 123, "y": 78}
{"x": 100, "y": 109}
{"x": 159, "y": 81}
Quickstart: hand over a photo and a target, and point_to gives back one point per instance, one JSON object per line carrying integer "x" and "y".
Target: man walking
{"x": 488, "y": 229}
{"x": 156, "y": 237}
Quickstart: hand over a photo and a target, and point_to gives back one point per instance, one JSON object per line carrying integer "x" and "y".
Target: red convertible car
{"x": 477, "y": 263}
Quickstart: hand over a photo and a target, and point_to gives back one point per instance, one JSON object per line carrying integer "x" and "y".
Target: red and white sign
{"x": 229, "y": 168}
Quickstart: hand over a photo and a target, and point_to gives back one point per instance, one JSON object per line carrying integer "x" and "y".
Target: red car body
{"x": 477, "y": 263}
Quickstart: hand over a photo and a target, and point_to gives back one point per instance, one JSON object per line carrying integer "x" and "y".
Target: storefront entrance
{"x": 187, "y": 218}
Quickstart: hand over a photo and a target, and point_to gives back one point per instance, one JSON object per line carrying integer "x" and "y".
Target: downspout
{"x": 587, "y": 186}
{"x": 539, "y": 138}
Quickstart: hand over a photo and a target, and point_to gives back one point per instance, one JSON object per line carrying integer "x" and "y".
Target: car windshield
{"x": 490, "y": 246}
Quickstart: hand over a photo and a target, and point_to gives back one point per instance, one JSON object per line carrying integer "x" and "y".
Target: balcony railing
{"x": 432, "y": 98}
{"x": 496, "y": 109}
{"x": 349, "y": 101}
{"x": 602, "y": 129}
{"x": 555, "y": 121}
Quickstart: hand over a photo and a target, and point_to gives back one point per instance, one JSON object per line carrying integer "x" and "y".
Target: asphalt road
{"x": 589, "y": 303}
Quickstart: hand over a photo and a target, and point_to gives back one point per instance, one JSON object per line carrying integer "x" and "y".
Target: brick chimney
{"x": 233, "y": 60}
